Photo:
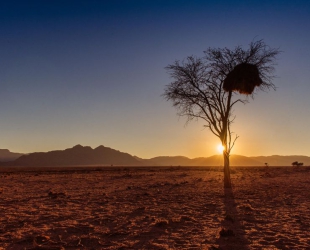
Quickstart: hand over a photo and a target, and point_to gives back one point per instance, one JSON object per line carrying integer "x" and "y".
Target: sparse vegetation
{"x": 297, "y": 164}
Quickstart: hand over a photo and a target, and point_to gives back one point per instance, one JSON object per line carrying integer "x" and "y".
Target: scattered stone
{"x": 56, "y": 195}
{"x": 161, "y": 223}
{"x": 41, "y": 239}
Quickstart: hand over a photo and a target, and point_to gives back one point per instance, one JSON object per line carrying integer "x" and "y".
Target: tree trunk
{"x": 224, "y": 139}
{"x": 227, "y": 181}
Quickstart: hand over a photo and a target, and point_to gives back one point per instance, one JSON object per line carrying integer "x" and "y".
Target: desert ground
{"x": 154, "y": 208}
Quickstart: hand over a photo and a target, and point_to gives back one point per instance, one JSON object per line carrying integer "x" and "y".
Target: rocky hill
{"x": 78, "y": 155}
{"x": 6, "y": 155}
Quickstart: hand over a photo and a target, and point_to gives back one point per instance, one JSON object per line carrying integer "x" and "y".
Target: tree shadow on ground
{"x": 232, "y": 234}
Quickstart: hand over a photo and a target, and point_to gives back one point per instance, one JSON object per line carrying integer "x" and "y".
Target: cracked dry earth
{"x": 154, "y": 208}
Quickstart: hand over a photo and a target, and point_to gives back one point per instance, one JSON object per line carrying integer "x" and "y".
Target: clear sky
{"x": 92, "y": 73}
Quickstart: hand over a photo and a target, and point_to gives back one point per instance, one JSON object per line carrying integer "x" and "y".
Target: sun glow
{"x": 220, "y": 148}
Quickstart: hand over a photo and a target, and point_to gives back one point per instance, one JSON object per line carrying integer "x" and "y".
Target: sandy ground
{"x": 154, "y": 208}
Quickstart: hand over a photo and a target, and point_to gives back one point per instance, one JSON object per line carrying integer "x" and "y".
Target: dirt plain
{"x": 154, "y": 208}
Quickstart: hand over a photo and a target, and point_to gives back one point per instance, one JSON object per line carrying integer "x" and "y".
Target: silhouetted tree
{"x": 207, "y": 88}
{"x": 295, "y": 163}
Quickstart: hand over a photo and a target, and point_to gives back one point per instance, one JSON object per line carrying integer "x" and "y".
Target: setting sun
{"x": 220, "y": 148}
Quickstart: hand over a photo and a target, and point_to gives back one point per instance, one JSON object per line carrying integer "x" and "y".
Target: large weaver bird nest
{"x": 243, "y": 78}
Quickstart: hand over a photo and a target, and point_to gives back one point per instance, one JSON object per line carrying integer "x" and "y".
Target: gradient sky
{"x": 92, "y": 73}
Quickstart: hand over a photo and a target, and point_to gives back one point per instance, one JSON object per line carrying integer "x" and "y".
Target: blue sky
{"x": 92, "y": 73}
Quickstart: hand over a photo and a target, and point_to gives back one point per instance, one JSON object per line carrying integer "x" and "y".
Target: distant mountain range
{"x": 84, "y": 155}
{"x": 6, "y": 155}
{"x": 78, "y": 155}
{"x": 235, "y": 160}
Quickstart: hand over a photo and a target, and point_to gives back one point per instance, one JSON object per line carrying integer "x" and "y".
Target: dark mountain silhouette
{"x": 78, "y": 155}
{"x": 215, "y": 160}
{"x": 235, "y": 160}
{"x": 84, "y": 155}
{"x": 6, "y": 155}
{"x": 170, "y": 160}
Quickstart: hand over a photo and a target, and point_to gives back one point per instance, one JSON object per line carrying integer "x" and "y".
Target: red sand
{"x": 154, "y": 208}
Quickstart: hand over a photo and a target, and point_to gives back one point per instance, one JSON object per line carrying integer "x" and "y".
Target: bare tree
{"x": 207, "y": 88}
